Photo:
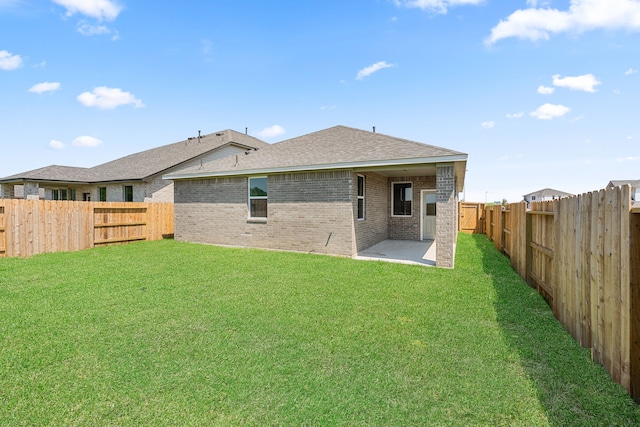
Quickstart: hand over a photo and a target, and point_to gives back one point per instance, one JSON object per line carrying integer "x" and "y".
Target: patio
{"x": 402, "y": 251}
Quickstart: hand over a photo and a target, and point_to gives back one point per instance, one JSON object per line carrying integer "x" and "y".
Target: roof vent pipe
{"x": 246, "y": 131}
{"x": 198, "y": 137}
{"x": 374, "y": 129}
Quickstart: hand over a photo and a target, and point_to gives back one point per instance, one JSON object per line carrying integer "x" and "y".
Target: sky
{"x": 539, "y": 94}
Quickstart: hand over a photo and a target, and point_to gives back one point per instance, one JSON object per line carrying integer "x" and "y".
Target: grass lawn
{"x": 169, "y": 333}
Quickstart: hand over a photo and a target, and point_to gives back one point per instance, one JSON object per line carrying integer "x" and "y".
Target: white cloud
{"x": 86, "y": 141}
{"x": 58, "y": 145}
{"x": 537, "y": 3}
{"x": 437, "y": 6}
{"x": 630, "y": 71}
{"x": 45, "y": 87}
{"x": 586, "y": 82}
{"x": 544, "y": 90}
{"x": 108, "y": 98}
{"x": 367, "y": 71}
{"x": 9, "y": 61}
{"x": 100, "y": 9}
{"x": 628, "y": 159}
{"x": 271, "y": 132}
{"x": 92, "y": 30}
{"x": 488, "y": 125}
{"x": 583, "y": 15}
{"x": 549, "y": 111}
{"x": 10, "y": 3}
{"x": 515, "y": 115}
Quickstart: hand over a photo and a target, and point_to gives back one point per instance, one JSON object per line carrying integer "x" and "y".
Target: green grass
{"x": 169, "y": 333}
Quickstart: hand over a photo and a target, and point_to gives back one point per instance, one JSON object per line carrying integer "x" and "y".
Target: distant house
{"x": 635, "y": 187}
{"x": 336, "y": 191}
{"x": 134, "y": 178}
{"x": 544, "y": 195}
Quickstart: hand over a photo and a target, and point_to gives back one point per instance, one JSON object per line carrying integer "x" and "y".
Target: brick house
{"x": 336, "y": 191}
{"x": 133, "y": 178}
{"x": 544, "y": 195}
{"x": 635, "y": 187}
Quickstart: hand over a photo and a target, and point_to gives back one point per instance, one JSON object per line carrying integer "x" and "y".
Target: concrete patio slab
{"x": 402, "y": 251}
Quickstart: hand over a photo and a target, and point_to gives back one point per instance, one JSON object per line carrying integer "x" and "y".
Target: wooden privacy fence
{"x": 30, "y": 227}
{"x": 471, "y": 218}
{"x": 583, "y": 255}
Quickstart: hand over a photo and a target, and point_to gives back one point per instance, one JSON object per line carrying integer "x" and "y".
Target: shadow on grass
{"x": 571, "y": 388}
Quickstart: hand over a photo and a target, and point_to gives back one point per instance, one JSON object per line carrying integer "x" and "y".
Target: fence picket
{"x": 29, "y": 227}
{"x": 583, "y": 255}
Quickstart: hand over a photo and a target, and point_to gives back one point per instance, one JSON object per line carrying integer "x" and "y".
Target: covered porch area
{"x": 421, "y": 252}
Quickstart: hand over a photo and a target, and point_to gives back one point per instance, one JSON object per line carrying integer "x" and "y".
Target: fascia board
{"x": 303, "y": 168}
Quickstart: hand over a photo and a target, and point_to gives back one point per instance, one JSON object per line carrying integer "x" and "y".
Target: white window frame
{"x": 359, "y": 197}
{"x": 393, "y": 184}
{"x": 250, "y": 197}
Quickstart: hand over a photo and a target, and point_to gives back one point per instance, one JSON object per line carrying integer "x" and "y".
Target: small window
{"x": 102, "y": 196}
{"x": 258, "y": 197}
{"x": 402, "y": 196}
{"x": 72, "y": 194}
{"x": 55, "y": 194}
{"x": 360, "y": 197}
{"x": 128, "y": 193}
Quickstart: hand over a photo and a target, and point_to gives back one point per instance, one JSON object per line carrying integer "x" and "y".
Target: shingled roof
{"x": 141, "y": 165}
{"x": 549, "y": 192}
{"x": 336, "y": 147}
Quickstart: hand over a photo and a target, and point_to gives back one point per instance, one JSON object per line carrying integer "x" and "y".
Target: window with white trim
{"x": 360, "y": 197}
{"x": 401, "y": 198}
{"x": 258, "y": 197}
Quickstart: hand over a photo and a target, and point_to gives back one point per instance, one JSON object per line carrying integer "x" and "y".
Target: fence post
{"x": 529, "y": 249}
{"x": 635, "y": 304}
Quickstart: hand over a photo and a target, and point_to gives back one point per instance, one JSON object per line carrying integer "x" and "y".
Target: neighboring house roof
{"x": 333, "y": 148}
{"x": 144, "y": 164}
{"x": 633, "y": 183}
{"x": 548, "y": 192}
{"x": 53, "y": 173}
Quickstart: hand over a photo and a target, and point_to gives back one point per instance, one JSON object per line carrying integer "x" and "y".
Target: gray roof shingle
{"x": 549, "y": 192}
{"x": 333, "y": 146}
{"x": 143, "y": 164}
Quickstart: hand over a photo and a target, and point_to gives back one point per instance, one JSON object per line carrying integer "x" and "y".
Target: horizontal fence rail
{"x": 582, "y": 254}
{"x": 30, "y": 227}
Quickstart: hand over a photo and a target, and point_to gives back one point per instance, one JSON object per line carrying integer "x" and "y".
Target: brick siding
{"x": 307, "y": 212}
{"x": 375, "y": 226}
{"x": 408, "y": 228}
{"x": 446, "y": 219}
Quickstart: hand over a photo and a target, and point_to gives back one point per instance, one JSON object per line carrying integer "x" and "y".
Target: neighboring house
{"x": 336, "y": 191}
{"x": 635, "y": 187}
{"x": 134, "y": 178}
{"x": 544, "y": 195}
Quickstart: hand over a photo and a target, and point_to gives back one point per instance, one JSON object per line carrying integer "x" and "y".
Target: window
{"x": 401, "y": 198}
{"x": 360, "y": 197}
{"x": 72, "y": 194}
{"x": 102, "y": 194}
{"x": 258, "y": 197}
{"x": 128, "y": 193}
{"x": 59, "y": 194}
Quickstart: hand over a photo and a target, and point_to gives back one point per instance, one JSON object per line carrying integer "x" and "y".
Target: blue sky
{"x": 538, "y": 93}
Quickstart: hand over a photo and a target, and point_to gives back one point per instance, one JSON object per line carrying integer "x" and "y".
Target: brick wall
{"x": 408, "y": 228}
{"x": 307, "y": 212}
{"x": 446, "y": 206}
{"x": 375, "y": 226}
